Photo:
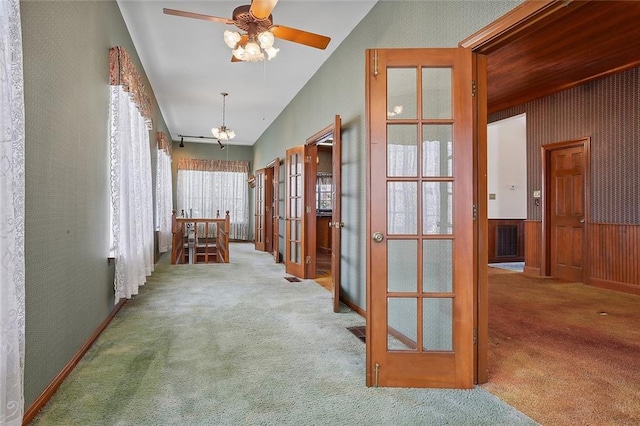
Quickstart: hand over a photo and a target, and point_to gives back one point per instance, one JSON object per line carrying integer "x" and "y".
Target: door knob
{"x": 581, "y": 220}
{"x": 377, "y": 237}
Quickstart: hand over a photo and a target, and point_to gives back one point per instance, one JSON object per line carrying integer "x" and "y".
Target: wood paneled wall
{"x": 614, "y": 252}
{"x": 532, "y": 247}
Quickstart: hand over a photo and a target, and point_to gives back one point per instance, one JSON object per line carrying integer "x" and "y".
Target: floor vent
{"x": 359, "y": 332}
{"x": 292, "y": 279}
{"x": 506, "y": 240}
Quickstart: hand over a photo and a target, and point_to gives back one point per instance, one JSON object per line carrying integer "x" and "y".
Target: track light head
{"x": 181, "y": 142}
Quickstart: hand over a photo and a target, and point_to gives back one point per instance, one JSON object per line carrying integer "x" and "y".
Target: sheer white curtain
{"x": 164, "y": 196}
{"x": 131, "y": 195}
{"x": 203, "y": 191}
{"x": 12, "y": 309}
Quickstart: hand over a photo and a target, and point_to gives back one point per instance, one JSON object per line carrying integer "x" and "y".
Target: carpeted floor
{"x": 237, "y": 344}
{"x": 564, "y": 353}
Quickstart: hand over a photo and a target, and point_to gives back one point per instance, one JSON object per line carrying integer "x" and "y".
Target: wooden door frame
{"x": 275, "y": 165}
{"x": 268, "y": 209}
{"x": 309, "y": 226}
{"x": 333, "y": 129}
{"x": 546, "y": 202}
{"x": 518, "y": 21}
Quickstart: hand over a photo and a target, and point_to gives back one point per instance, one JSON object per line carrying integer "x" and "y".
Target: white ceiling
{"x": 189, "y": 65}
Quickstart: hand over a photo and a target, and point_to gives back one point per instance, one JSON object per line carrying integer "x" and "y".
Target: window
{"x": 324, "y": 192}
{"x": 207, "y": 188}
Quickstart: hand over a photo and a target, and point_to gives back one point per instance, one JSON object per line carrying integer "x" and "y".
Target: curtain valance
{"x": 213, "y": 165}
{"x": 123, "y": 72}
{"x": 163, "y": 143}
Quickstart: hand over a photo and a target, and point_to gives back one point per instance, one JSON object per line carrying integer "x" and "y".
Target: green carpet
{"x": 237, "y": 344}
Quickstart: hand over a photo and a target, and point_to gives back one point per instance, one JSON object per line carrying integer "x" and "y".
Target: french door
{"x": 295, "y": 249}
{"x": 260, "y": 214}
{"x": 420, "y": 218}
{"x": 336, "y": 211}
{"x": 275, "y": 209}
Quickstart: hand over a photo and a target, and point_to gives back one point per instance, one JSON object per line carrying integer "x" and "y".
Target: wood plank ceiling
{"x": 556, "y": 45}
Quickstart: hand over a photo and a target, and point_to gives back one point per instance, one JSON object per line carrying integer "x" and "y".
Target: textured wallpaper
{"x": 69, "y": 284}
{"x": 607, "y": 111}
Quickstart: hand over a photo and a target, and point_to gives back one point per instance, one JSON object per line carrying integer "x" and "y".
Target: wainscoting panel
{"x": 532, "y": 247}
{"x": 614, "y": 253}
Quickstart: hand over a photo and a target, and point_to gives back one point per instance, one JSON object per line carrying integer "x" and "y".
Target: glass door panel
{"x": 415, "y": 287}
{"x": 294, "y": 244}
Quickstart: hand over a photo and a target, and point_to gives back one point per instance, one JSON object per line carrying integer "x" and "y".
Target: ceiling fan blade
{"x": 298, "y": 36}
{"x": 184, "y": 14}
{"x": 261, "y": 9}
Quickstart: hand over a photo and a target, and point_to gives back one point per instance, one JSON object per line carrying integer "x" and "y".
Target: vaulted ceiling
{"x": 538, "y": 48}
{"x": 189, "y": 65}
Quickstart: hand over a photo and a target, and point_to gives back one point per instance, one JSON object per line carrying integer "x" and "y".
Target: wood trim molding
{"x": 615, "y": 285}
{"x": 516, "y": 23}
{"x": 48, "y": 392}
{"x": 357, "y": 309}
{"x": 532, "y": 247}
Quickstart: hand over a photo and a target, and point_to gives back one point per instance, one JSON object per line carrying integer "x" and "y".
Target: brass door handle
{"x": 377, "y": 237}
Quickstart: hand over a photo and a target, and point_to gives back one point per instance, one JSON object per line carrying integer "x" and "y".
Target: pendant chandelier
{"x": 222, "y": 133}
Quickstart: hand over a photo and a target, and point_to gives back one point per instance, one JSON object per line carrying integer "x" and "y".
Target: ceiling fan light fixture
{"x": 271, "y": 52}
{"x": 266, "y": 39}
{"x": 253, "y": 53}
{"x": 239, "y": 53}
{"x": 231, "y": 38}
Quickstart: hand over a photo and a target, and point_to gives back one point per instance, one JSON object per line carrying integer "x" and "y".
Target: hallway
{"x": 237, "y": 344}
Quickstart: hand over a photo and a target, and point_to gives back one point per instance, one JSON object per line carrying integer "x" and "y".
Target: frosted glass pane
{"x": 437, "y": 150}
{"x": 402, "y": 256}
{"x": 402, "y": 321}
{"x": 402, "y": 150}
{"x": 436, "y": 93}
{"x": 437, "y": 213}
{"x": 437, "y": 266}
{"x": 437, "y": 328}
{"x": 402, "y": 207}
{"x": 402, "y": 99}
{"x": 295, "y": 252}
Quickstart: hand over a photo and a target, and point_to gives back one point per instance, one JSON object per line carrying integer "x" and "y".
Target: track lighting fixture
{"x": 199, "y": 137}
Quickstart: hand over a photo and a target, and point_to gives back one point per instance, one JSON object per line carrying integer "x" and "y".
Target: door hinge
{"x": 307, "y": 260}
{"x": 473, "y": 88}
{"x": 475, "y": 212}
{"x": 475, "y": 336}
{"x": 377, "y": 372}
{"x": 307, "y": 159}
{"x": 375, "y": 63}
{"x": 308, "y": 209}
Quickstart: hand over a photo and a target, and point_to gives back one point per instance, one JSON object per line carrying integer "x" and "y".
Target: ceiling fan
{"x": 257, "y": 21}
